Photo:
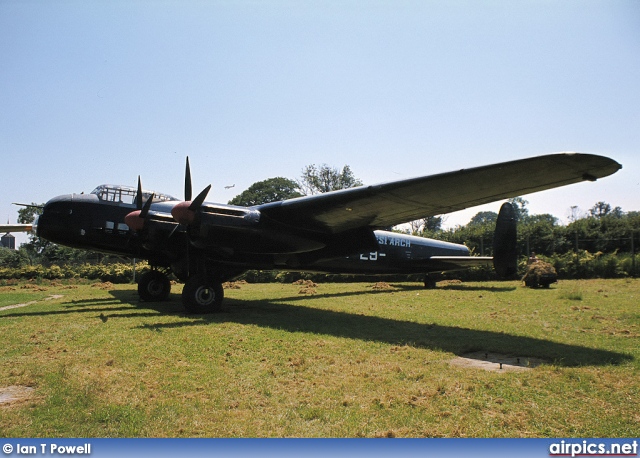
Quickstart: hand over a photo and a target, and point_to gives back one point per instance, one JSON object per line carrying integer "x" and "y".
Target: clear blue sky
{"x": 101, "y": 91}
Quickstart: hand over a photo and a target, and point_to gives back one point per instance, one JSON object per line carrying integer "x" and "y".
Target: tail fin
{"x": 505, "y": 242}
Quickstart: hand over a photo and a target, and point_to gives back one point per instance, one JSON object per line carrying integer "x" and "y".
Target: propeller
{"x": 139, "y": 195}
{"x": 187, "y": 182}
{"x": 185, "y": 212}
{"x": 136, "y": 219}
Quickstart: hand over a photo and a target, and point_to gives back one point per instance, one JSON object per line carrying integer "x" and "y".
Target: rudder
{"x": 505, "y": 255}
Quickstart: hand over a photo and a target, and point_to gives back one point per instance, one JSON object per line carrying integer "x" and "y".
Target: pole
{"x": 633, "y": 256}
{"x": 134, "y": 270}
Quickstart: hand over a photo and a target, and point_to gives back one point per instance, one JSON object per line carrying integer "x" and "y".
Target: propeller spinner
{"x": 185, "y": 212}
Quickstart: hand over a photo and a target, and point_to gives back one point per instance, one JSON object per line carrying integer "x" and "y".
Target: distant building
{"x": 8, "y": 241}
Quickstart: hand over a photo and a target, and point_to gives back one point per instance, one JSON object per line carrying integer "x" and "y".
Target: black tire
{"x": 153, "y": 286}
{"x": 429, "y": 282}
{"x": 201, "y": 295}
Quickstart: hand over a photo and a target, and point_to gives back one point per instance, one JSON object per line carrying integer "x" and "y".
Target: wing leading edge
{"x": 397, "y": 202}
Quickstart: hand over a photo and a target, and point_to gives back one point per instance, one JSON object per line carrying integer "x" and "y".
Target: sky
{"x": 103, "y": 91}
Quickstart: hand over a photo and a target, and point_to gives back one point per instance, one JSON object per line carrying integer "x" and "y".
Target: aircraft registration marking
{"x": 373, "y": 256}
{"x": 393, "y": 241}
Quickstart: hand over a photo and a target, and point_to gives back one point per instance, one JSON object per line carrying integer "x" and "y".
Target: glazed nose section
{"x": 53, "y": 223}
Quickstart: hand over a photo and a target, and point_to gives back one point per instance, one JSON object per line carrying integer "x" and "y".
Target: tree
{"x": 542, "y": 234}
{"x": 13, "y": 258}
{"x": 426, "y": 226}
{"x": 573, "y": 214}
{"x": 520, "y": 206}
{"x": 602, "y": 209}
{"x": 270, "y": 190}
{"x": 36, "y": 245}
{"x": 28, "y": 214}
{"x": 316, "y": 180}
{"x": 433, "y": 223}
{"x": 481, "y": 218}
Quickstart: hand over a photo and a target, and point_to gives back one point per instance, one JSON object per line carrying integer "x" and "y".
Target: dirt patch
{"x": 234, "y": 284}
{"x": 14, "y": 394}
{"x": 105, "y": 285}
{"x": 496, "y": 362}
{"x": 306, "y": 283}
{"x": 382, "y": 286}
{"x": 306, "y": 287}
{"x": 307, "y": 290}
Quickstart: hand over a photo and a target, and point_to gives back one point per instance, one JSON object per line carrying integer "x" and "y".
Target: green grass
{"x": 13, "y": 295}
{"x": 345, "y": 362}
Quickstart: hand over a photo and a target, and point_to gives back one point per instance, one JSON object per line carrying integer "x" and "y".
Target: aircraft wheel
{"x": 154, "y": 286}
{"x": 429, "y": 282}
{"x": 201, "y": 295}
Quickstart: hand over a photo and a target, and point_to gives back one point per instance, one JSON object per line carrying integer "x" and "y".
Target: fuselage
{"x": 231, "y": 238}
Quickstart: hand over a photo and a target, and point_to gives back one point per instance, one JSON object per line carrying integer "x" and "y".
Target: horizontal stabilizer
{"x": 464, "y": 261}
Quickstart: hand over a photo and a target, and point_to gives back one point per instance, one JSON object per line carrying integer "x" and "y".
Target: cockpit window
{"x": 126, "y": 194}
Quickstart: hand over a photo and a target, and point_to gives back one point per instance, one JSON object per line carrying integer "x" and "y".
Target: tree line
{"x": 604, "y": 237}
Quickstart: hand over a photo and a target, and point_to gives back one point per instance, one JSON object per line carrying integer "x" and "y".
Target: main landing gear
{"x": 154, "y": 286}
{"x": 199, "y": 295}
{"x": 202, "y": 295}
{"x": 429, "y": 282}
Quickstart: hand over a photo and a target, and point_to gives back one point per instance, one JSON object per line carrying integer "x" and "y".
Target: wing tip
{"x": 596, "y": 165}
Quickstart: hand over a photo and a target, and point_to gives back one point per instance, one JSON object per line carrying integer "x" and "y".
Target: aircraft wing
{"x": 15, "y": 228}
{"x": 389, "y": 204}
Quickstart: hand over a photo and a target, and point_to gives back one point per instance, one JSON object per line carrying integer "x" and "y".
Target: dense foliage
{"x": 543, "y": 234}
{"x": 266, "y": 191}
{"x": 112, "y": 272}
{"x": 318, "y": 179}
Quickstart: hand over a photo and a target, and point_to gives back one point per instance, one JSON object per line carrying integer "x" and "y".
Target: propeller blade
{"x": 139, "y": 195}
{"x": 185, "y": 212}
{"x": 147, "y": 205}
{"x": 197, "y": 202}
{"x": 187, "y": 182}
{"x": 137, "y": 219}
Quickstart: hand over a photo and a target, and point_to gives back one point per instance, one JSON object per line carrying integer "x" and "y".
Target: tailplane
{"x": 505, "y": 256}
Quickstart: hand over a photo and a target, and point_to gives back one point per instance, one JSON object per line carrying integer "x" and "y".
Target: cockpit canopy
{"x": 127, "y": 194}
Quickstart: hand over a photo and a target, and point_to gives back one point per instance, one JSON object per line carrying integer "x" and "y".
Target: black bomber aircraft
{"x": 205, "y": 244}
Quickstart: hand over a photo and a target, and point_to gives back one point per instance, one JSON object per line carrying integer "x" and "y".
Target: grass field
{"x": 347, "y": 361}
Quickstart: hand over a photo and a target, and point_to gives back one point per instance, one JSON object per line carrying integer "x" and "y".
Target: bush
{"x": 115, "y": 273}
{"x": 580, "y": 265}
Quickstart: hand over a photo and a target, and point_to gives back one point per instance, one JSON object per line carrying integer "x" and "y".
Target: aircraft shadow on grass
{"x": 492, "y": 289}
{"x": 298, "y": 318}
{"x": 399, "y": 287}
{"x": 457, "y": 340}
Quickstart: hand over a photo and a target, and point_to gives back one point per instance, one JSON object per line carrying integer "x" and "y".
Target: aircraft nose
{"x": 54, "y": 218}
